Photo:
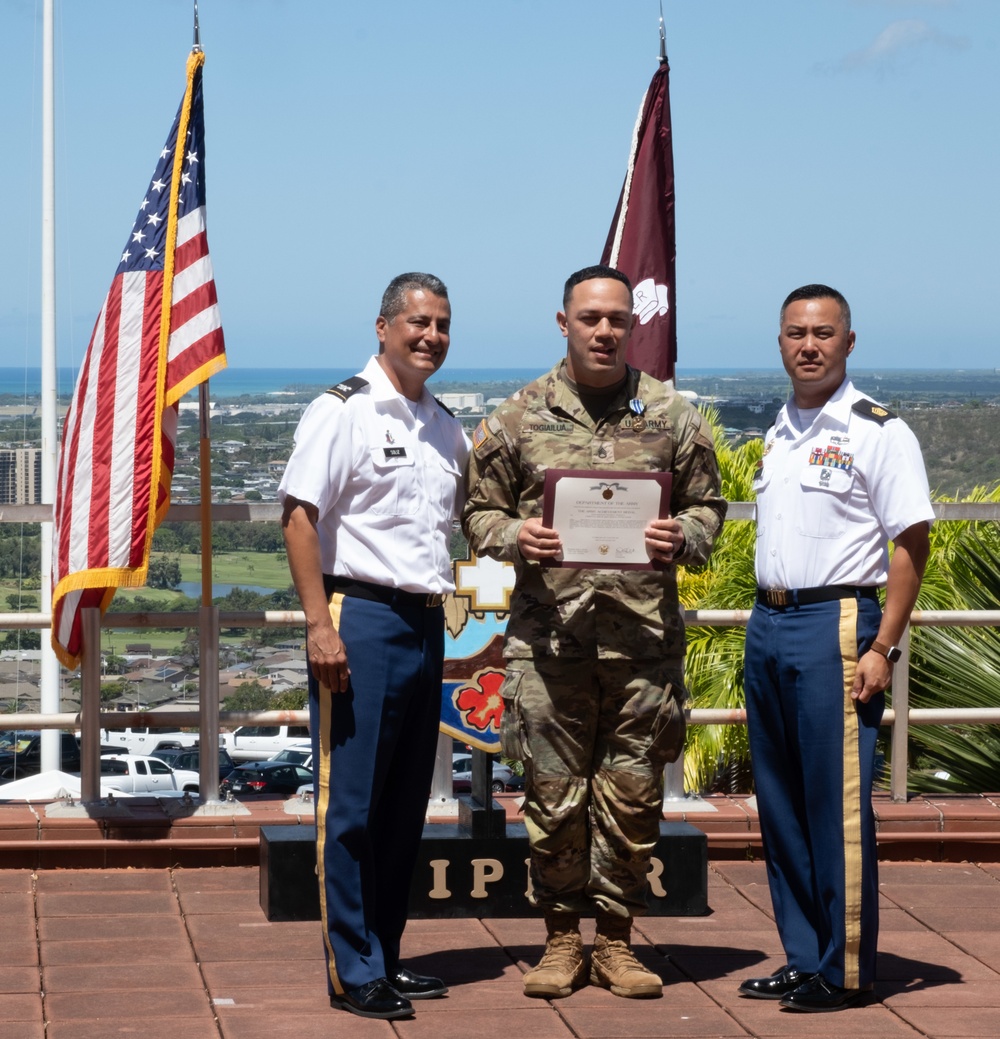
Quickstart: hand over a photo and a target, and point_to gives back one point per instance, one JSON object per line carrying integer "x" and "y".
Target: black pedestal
{"x": 460, "y": 875}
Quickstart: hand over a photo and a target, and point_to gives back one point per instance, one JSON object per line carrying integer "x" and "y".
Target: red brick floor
{"x": 110, "y": 931}
{"x": 158, "y": 953}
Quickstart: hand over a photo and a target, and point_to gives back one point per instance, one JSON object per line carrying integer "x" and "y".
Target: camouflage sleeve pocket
{"x": 512, "y": 741}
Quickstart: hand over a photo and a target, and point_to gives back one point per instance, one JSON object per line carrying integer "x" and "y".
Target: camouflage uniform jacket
{"x": 630, "y": 614}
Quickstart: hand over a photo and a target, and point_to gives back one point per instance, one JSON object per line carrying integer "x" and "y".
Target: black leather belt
{"x": 778, "y": 597}
{"x": 380, "y": 593}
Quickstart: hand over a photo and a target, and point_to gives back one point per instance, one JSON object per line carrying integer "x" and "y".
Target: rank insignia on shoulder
{"x": 869, "y": 409}
{"x": 348, "y": 387}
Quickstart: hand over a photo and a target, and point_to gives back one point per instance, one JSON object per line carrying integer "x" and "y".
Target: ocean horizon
{"x": 238, "y": 382}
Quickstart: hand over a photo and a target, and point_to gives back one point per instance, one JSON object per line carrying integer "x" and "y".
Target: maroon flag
{"x": 641, "y": 240}
{"x": 158, "y": 334}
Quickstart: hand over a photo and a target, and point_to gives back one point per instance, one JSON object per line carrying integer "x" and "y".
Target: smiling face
{"x": 815, "y": 343}
{"x": 415, "y": 342}
{"x": 597, "y": 324}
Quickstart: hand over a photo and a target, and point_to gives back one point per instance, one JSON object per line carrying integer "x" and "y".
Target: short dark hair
{"x": 818, "y": 292}
{"x": 588, "y": 274}
{"x": 394, "y": 297}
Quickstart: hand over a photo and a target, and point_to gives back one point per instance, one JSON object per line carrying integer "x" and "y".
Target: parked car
{"x": 190, "y": 759}
{"x": 299, "y": 753}
{"x": 461, "y": 774}
{"x": 144, "y": 740}
{"x": 265, "y": 777}
{"x": 258, "y": 742}
{"x": 21, "y": 755}
{"x": 166, "y": 754}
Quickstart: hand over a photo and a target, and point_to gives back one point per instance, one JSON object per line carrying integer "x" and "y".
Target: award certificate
{"x": 601, "y": 515}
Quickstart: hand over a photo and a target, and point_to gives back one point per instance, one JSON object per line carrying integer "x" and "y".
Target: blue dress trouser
{"x": 812, "y": 750}
{"x": 373, "y": 751}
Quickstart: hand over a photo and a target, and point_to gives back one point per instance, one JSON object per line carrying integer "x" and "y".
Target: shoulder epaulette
{"x": 348, "y": 387}
{"x": 445, "y": 406}
{"x": 869, "y": 409}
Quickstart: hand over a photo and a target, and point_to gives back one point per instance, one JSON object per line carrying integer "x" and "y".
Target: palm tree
{"x": 717, "y": 756}
{"x": 953, "y": 667}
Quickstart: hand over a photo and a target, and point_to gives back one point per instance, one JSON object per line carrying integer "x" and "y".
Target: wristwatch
{"x": 891, "y": 653}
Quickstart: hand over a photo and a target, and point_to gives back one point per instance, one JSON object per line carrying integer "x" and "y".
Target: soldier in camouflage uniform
{"x": 593, "y": 698}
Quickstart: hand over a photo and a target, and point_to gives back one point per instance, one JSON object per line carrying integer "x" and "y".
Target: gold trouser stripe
{"x": 323, "y": 800}
{"x": 852, "y": 796}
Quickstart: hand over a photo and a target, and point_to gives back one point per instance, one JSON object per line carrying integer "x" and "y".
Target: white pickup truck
{"x": 139, "y": 774}
{"x": 144, "y": 740}
{"x": 259, "y": 742}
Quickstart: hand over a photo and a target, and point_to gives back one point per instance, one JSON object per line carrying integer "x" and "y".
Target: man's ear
{"x": 561, "y": 322}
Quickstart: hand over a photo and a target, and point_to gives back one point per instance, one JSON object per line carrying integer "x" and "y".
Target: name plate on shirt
{"x": 601, "y": 516}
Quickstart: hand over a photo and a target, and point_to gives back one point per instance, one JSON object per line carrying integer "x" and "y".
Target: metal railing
{"x": 899, "y": 716}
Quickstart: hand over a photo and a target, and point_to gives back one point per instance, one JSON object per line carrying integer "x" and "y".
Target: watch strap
{"x": 891, "y": 653}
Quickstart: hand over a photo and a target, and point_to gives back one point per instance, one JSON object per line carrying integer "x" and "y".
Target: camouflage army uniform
{"x": 594, "y": 690}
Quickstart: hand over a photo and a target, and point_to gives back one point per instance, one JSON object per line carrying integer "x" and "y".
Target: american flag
{"x": 157, "y": 336}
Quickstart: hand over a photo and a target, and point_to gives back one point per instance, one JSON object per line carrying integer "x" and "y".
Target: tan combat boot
{"x": 612, "y": 964}
{"x": 562, "y": 967}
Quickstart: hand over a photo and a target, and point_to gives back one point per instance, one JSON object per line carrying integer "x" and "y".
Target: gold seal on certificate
{"x": 601, "y": 515}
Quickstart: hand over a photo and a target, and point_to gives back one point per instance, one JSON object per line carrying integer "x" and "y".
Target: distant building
{"x": 462, "y": 401}
{"x": 20, "y": 476}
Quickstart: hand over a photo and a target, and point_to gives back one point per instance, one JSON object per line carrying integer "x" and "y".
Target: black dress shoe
{"x": 374, "y": 999}
{"x": 780, "y": 984}
{"x": 818, "y": 996}
{"x": 416, "y": 986}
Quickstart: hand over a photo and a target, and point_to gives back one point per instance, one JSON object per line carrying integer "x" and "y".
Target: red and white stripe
{"x": 195, "y": 325}
{"x": 107, "y": 459}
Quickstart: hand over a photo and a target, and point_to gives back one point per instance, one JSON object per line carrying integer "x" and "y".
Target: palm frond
{"x": 958, "y": 667}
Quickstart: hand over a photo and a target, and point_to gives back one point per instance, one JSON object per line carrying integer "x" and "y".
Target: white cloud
{"x": 896, "y": 39}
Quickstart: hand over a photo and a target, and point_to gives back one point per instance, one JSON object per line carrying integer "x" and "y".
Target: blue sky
{"x": 847, "y": 141}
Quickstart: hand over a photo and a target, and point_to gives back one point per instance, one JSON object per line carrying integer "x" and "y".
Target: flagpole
{"x": 49, "y": 666}
{"x": 208, "y": 622}
{"x": 204, "y": 447}
{"x": 208, "y": 614}
{"x": 641, "y": 240}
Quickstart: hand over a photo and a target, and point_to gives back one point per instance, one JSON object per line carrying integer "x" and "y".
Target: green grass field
{"x": 268, "y": 570}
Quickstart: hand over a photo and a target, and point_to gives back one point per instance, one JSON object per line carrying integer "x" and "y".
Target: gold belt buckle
{"x": 434, "y": 599}
{"x": 777, "y": 596}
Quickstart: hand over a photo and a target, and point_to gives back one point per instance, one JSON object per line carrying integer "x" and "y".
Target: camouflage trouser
{"x": 594, "y": 736}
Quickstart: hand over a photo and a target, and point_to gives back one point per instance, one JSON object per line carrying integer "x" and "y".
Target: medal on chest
{"x": 638, "y": 409}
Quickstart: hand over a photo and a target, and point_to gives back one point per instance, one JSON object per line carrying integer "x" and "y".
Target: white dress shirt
{"x": 833, "y": 489}
{"x": 385, "y": 474}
